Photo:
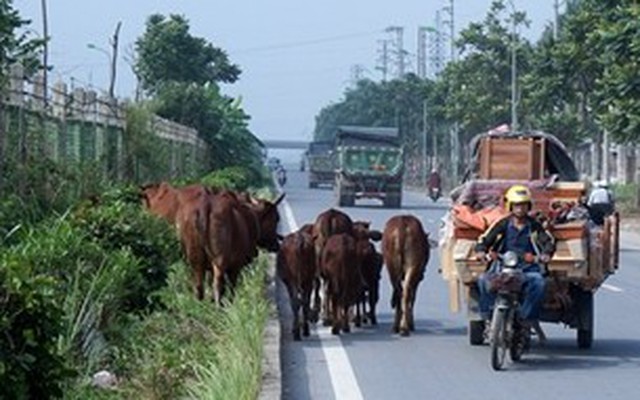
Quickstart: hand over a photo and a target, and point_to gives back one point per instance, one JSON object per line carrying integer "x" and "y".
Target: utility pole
{"x": 114, "y": 59}
{"x": 383, "y": 60}
{"x": 45, "y": 53}
{"x": 455, "y": 151}
{"x": 424, "y": 143}
{"x": 556, "y": 5}
{"x": 514, "y": 88}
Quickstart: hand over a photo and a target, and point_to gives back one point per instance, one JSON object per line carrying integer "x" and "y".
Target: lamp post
{"x": 111, "y": 74}
{"x": 514, "y": 113}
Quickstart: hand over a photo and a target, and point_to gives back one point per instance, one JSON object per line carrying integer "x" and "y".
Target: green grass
{"x": 192, "y": 349}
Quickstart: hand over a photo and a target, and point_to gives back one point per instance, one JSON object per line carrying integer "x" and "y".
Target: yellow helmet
{"x": 517, "y": 194}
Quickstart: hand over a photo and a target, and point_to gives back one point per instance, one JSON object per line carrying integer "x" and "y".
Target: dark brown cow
{"x": 187, "y": 209}
{"x": 405, "y": 249}
{"x": 296, "y": 266}
{"x": 229, "y": 243}
{"x": 370, "y": 263}
{"x": 327, "y": 223}
{"x": 339, "y": 269}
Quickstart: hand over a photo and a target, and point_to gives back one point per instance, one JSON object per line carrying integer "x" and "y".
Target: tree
{"x": 219, "y": 120}
{"x": 13, "y": 48}
{"x": 167, "y": 52}
{"x": 476, "y": 91}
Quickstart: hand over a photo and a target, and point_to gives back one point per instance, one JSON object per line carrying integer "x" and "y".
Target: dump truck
{"x": 586, "y": 253}
{"x": 320, "y": 158}
{"x": 369, "y": 165}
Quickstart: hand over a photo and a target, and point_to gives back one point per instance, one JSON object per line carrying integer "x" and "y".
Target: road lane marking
{"x": 612, "y": 288}
{"x": 343, "y": 380}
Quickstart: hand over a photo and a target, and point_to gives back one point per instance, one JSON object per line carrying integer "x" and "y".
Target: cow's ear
{"x": 374, "y": 235}
{"x": 278, "y": 200}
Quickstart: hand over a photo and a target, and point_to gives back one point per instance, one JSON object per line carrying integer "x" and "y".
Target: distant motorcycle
{"x": 434, "y": 193}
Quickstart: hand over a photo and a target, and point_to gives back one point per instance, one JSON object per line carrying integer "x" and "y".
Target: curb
{"x": 271, "y": 386}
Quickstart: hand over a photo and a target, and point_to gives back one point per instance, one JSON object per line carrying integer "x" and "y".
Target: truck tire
{"x": 476, "y": 332}
{"x": 585, "y": 319}
{"x": 393, "y": 200}
{"x": 345, "y": 198}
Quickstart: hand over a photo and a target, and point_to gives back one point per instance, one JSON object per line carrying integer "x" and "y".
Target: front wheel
{"x": 498, "y": 338}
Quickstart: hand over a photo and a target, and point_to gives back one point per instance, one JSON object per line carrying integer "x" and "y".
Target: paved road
{"x": 436, "y": 362}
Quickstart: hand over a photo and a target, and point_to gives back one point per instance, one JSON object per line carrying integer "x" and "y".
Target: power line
{"x": 304, "y": 43}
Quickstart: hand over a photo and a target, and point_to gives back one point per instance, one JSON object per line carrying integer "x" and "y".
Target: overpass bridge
{"x": 285, "y": 144}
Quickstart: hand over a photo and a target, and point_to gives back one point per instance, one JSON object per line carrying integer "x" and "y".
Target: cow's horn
{"x": 279, "y": 199}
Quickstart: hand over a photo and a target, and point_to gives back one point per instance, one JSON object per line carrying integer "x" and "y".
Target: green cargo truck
{"x": 321, "y": 163}
{"x": 369, "y": 165}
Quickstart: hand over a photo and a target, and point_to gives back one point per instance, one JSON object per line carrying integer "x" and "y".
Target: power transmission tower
{"x": 383, "y": 59}
{"x": 357, "y": 74}
{"x": 422, "y": 53}
{"x": 398, "y": 50}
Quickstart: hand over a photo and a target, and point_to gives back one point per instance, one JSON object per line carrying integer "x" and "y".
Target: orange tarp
{"x": 465, "y": 216}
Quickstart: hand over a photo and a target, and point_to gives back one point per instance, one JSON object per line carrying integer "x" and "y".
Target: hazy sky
{"x": 296, "y": 56}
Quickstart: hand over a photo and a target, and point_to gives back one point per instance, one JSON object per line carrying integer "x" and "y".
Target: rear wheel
{"x": 585, "y": 319}
{"x": 498, "y": 338}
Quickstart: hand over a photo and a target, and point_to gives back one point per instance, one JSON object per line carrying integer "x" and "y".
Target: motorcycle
{"x": 507, "y": 332}
{"x": 434, "y": 193}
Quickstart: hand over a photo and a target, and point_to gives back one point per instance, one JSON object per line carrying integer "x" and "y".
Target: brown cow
{"x": 327, "y": 223}
{"x": 405, "y": 249}
{"x": 338, "y": 266}
{"x": 296, "y": 266}
{"x": 187, "y": 209}
{"x": 370, "y": 263}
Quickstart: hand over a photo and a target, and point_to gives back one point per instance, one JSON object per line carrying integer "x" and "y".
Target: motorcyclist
{"x": 281, "y": 175}
{"x": 434, "y": 180}
{"x": 524, "y": 235}
{"x": 601, "y": 202}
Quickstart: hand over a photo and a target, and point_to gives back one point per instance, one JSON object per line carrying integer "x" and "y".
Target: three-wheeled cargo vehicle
{"x": 586, "y": 253}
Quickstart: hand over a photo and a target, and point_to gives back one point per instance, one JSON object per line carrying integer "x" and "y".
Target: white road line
{"x": 612, "y": 288}
{"x": 343, "y": 380}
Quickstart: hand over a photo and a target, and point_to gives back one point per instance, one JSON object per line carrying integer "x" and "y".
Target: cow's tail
{"x": 399, "y": 241}
{"x": 202, "y": 225}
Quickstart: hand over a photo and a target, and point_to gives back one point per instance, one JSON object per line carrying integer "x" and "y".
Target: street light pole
{"x": 514, "y": 92}
{"x": 113, "y": 58}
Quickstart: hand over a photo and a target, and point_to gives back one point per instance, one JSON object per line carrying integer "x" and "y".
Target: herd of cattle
{"x": 329, "y": 266}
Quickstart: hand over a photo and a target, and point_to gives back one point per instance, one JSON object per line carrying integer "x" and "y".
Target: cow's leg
{"x": 295, "y": 309}
{"x": 397, "y": 305}
{"x": 306, "y": 309}
{"x": 408, "y": 297}
{"x": 346, "y": 310}
{"x": 195, "y": 260}
{"x": 335, "y": 314}
{"x": 218, "y": 284}
{"x": 359, "y": 312}
{"x": 373, "y": 301}
{"x": 315, "y": 312}
{"x": 327, "y": 303}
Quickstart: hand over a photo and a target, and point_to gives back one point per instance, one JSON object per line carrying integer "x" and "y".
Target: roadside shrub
{"x": 625, "y": 196}
{"x": 31, "y": 322}
{"x": 115, "y": 221}
{"x": 235, "y": 178}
